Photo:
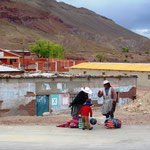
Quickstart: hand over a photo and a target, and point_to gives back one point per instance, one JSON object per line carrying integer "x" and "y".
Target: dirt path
{"x": 127, "y": 118}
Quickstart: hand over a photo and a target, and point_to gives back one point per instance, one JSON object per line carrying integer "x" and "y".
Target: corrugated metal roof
{"x": 139, "y": 67}
{"x": 6, "y": 68}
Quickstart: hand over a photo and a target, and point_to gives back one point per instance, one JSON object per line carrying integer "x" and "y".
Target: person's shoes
{"x": 83, "y": 128}
{"x": 91, "y": 128}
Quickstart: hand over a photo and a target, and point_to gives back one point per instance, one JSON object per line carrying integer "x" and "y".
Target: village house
{"x": 34, "y": 94}
{"x": 9, "y": 58}
{"x": 141, "y": 70}
{"x": 27, "y": 61}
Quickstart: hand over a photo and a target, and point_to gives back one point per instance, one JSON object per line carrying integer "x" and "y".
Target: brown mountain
{"x": 81, "y": 31}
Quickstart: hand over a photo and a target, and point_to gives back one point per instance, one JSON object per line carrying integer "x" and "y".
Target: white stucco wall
{"x": 13, "y": 93}
{"x": 142, "y": 80}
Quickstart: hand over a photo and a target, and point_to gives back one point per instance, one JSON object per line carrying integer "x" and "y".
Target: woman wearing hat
{"x": 79, "y": 100}
{"x": 109, "y": 96}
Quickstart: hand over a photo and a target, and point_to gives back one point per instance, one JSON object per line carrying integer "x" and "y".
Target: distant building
{"x": 23, "y": 53}
{"x": 108, "y": 69}
{"x": 8, "y": 58}
{"x": 29, "y": 62}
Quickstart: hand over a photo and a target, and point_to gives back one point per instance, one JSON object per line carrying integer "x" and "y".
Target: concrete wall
{"x": 15, "y": 93}
{"x": 143, "y": 79}
{"x": 18, "y": 96}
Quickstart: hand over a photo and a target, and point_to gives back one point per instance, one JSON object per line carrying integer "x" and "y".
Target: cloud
{"x": 144, "y": 32}
{"x": 131, "y": 14}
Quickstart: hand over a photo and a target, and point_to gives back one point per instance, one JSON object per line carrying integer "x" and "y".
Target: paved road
{"x": 52, "y": 138}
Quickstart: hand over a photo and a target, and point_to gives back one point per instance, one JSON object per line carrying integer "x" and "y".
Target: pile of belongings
{"x": 112, "y": 123}
{"x": 71, "y": 124}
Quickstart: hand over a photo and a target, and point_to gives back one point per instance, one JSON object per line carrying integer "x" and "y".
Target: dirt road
{"x": 53, "y": 138}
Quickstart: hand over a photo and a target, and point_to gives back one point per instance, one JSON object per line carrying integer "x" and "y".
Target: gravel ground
{"x": 127, "y": 118}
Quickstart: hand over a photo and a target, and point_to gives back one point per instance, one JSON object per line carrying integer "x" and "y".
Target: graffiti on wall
{"x": 57, "y": 87}
{"x": 54, "y": 100}
{"x": 65, "y": 99}
{"x": 62, "y": 87}
{"x": 118, "y": 88}
{"x": 14, "y": 94}
{"x": 94, "y": 96}
{"x": 125, "y": 88}
{"x": 59, "y": 102}
{"x": 124, "y": 101}
{"x": 41, "y": 99}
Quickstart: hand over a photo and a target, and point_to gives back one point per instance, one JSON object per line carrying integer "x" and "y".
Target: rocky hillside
{"x": 81, "y": 31}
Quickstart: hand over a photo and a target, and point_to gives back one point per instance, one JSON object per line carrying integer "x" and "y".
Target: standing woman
{"x": 109, "y": 96}
{"x": 79, "y": 100}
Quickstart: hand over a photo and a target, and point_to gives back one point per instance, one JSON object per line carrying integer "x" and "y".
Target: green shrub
{"x": 146, "y": 52}
{"x": 44, "y": 49}
{"x": 125, "y": 60}
{"x": 100, "y": 57}
{"x": 124, "y": 49}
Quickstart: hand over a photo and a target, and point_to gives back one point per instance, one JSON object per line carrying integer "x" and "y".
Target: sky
{"x": 131, "y": 14}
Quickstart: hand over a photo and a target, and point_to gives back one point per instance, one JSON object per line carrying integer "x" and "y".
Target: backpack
{"x": 112, "y": 123}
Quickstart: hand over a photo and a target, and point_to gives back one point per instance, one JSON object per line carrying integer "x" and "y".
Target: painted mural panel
{"x": 65, "y": 99}
{"x": 54, "y": 100}
{"x": 59, "y": 102}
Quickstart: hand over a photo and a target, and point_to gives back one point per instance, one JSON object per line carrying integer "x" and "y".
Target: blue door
{"x": 42, "y": 104}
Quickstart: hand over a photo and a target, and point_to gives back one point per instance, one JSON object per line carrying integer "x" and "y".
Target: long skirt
{"x": 75, "y": 109}
{"x": 107, "y": 106}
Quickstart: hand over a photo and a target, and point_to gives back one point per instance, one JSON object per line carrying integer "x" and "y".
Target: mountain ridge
{"x": 67, "y": 25}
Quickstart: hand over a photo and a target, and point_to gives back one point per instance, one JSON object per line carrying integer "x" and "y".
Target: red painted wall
{"x": 44, "y": 64}
{"x": 8, "y": 61}
{"x": 9, "y": 54}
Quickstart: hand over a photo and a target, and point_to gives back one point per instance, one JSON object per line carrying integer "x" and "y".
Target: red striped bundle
{"x": 110, "y": 124}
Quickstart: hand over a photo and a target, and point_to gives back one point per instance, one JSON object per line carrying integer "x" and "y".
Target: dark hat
{"x": 88, "y": 103}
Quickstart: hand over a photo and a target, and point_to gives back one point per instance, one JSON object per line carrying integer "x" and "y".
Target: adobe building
{"x": 34, "y": 94}
{"x": 141, "y": 70}
{"x": 8, "y": 58}
{"x": 28, "y": 62}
